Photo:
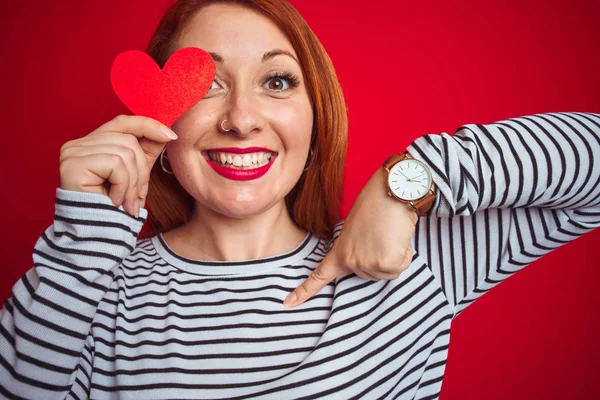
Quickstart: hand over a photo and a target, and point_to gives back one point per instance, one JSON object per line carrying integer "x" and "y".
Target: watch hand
{"x": 403, "y": 175}
{"x": 407, "y": 178}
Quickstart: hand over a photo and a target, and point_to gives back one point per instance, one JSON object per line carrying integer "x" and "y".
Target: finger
{"x": 129, "y": 162}
{"x": 104, "y": 167}
{"x": 408, "y": 258}
{"x": 152, "y": 134}
{"x": 325, "y": 272}
{"x": 119, "y": 180}
{"x": 151, "y": 150}
{"x": 389, "y": 276}
{"x": 394, "y": 273}
{"x": 367, "y": 276}
{"x": 130, "y": 141}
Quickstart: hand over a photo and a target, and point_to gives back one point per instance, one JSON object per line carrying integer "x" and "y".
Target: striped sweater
{"x": 104, "y": 315}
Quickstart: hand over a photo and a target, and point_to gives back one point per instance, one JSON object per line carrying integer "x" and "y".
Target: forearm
{"x": 45, "y": 323}
{"x": 544, "y": 160}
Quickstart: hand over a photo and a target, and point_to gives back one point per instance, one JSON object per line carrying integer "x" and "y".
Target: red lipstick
{"x": 241, "y": 174}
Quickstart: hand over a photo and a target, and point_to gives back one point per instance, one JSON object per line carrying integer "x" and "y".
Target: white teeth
{"x": 237, "y": 161}
{"x": 243, "y": 161}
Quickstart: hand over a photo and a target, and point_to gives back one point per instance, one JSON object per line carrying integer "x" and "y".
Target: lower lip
{"x": 240, "y": 174}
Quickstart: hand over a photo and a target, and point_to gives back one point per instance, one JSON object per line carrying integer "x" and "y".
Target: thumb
{"x": 325, "y": 272}
{"x": 152, "y": 135}
{"x": 152, "y": 150}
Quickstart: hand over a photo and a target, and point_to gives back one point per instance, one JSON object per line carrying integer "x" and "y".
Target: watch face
{"x": 409, "y": 179}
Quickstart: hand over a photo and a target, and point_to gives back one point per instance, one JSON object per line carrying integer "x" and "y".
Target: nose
{"x": 243, "y": 113}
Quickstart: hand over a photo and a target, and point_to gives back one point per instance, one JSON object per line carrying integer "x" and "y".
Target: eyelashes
{"x": 292, "y": 79}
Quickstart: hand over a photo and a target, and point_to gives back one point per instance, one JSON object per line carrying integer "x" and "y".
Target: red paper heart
{"x": 162, "y": 94}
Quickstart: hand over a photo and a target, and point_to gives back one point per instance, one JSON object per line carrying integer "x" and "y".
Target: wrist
{"x": 381, "y": 178}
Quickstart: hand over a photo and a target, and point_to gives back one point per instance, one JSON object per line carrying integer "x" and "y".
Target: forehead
{"x": 233, "y": 31}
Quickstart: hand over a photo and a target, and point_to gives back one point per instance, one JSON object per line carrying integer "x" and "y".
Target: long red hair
{"x": 314, "y": 202}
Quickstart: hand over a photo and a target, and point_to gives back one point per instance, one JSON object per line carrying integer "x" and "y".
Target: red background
{"x": 407, "y": 68}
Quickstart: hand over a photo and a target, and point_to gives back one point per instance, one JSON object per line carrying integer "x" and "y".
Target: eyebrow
{"x": 267, "y": 56}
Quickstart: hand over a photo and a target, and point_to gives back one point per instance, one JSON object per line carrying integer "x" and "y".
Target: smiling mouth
{"x": 240, "y": 161}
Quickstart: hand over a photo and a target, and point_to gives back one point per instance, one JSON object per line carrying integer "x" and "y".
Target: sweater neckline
{"x": 226, "y": 268}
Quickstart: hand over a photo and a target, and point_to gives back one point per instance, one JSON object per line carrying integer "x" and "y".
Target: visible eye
{"x": 213, "y": 85}
{"x": 282, "y": 81}
{"x": 278, "y": 84}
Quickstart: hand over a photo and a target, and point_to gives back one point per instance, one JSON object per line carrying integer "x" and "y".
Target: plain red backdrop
{"x": 407, "y": 68}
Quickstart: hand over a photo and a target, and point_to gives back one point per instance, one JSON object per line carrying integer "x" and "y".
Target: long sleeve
{"x": 508, "y": 193}
{"x": 44, "y": 325}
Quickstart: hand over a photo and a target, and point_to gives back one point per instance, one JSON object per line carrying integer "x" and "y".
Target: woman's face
{"x": 260, "y": 90}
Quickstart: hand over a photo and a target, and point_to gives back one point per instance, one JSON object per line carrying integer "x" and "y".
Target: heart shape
{"x": 162, "y": 94}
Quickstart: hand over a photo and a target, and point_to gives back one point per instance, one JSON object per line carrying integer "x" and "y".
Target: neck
{"x": 215, "y": 237}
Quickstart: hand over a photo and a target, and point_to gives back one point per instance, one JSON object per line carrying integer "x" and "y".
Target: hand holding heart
{"x": 374, "y": 242}
{"x": 116, "y": 159}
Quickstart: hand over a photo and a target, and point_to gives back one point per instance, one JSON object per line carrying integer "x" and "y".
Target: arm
{"x": 515, "y": 189}
{"x": 45, "y": 323}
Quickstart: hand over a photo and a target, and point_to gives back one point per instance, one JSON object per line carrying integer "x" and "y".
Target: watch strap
{"x": 389, "y": 163}
{"x": 424, "y": 204}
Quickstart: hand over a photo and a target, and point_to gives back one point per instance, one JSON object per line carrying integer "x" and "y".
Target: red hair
{"x": 314, "y": 202}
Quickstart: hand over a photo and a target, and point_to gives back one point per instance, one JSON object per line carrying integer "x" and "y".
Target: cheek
{"x": 190, "y": 128}
{"x": 198, "y": 119}
{"x": 294, "y": 122}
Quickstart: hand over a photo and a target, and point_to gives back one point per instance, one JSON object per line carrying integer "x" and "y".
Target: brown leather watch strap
{"x": 424, "y": 204}
{"x": 389, "y": 163}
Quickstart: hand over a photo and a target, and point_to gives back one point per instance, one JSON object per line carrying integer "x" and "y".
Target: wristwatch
{"x": 410, "y": 181}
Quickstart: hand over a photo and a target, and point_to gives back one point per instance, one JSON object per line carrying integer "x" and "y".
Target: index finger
{"x": 321, "y": 276}
{"x": 140, "y": 127}
{"x": 152, "y": 135}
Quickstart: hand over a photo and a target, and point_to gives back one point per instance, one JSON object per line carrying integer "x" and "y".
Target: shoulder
{"x": 143, "y": 255}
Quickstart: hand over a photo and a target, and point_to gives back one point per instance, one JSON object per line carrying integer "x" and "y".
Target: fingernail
{"x": 290, "y": 300}
{"x": 144, "y": 190}
{"x": 170, "y": 134}
{"x": 136, "y": 205}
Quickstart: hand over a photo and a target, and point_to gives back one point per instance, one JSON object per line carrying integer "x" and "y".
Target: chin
{"x": 240, "y": 210}
{"x": 240, "y": 204}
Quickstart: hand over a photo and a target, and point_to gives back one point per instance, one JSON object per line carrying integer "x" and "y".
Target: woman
{"x": 195, "y": 310}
